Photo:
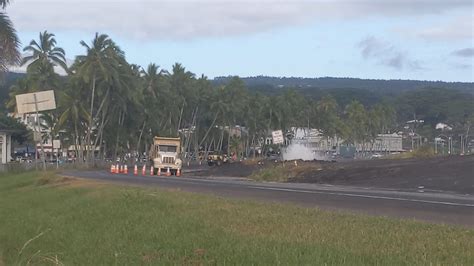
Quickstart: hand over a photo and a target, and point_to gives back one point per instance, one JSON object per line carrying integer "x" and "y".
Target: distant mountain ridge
{"x": 348, "y": 83}
{"x": 268, "y": 84}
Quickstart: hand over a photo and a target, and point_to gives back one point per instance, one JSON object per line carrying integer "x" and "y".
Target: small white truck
{"x": 165, "y": 154}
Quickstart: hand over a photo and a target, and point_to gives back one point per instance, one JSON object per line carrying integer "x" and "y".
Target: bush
{"x": 424, "y": 152}
{"x": 277, "y": 174}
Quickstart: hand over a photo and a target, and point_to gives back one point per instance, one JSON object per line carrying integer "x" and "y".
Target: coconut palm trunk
{"x": 140, "y": 138}
{"x": 89, "y": 129}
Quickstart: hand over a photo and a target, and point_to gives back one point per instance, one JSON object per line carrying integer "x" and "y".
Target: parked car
{"x": 376, "y": 156}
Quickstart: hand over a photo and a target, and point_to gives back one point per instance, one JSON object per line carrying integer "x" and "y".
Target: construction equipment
{"x": 165, "y": 154}
{"x": 214, "y": 158}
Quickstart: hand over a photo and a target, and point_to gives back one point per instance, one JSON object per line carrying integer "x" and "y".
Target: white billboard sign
{"x": 56, "y": 144}
{"x": 37, "y": 136}
{"x": 278, "y": 137}
{"x": 43, "y": 100}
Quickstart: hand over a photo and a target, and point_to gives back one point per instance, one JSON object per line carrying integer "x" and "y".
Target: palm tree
{"x": 9, "y": 41}
{"x": 45, "y": 52}
{"x": 3, "y": 3}
{"x": 101, "y": 62}
{"x": 21, "y": 86}
{"x": 73, "y": 116}
{"x": 180, "y": 80}
{"x": 152, "y": 77}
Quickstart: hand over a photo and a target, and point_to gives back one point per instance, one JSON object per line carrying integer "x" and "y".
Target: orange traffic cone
{"x": 112, "y": 169}
{"x": 135, "y": 170}
{"x": 151, "y": 170}
{"x": 168, "y": 173}
{"x": 125, "y": 171}
{"x": 143, "y": 170}
{"x": 117, "y": 169}
{"x": 178, "y": 172}
{"x": 159, "y": 172}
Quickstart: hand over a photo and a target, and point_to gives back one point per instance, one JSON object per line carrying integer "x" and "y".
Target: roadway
{"x": 435, "y": 207}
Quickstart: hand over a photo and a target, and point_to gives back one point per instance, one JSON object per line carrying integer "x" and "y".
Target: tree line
{"x": 106, "y": 102}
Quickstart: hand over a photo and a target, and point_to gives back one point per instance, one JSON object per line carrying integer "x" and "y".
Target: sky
{"x": 377, "y": 39}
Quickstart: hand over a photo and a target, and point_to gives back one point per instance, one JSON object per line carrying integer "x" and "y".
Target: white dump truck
{"x": 165, "y": 154}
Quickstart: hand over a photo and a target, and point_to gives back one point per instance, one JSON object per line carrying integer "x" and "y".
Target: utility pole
{"x": 39, "y": 131}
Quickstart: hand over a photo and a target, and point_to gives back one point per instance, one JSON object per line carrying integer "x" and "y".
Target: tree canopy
{"x": 108, "y": 103}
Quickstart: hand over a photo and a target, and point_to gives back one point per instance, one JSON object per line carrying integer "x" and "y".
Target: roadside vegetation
{"x": 422, "y": 152}
{"x": 285, "y": 171}
{"x": 54, "y": 220}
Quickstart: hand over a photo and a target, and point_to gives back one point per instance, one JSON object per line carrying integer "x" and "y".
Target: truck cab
{"x": 165, "y": 154}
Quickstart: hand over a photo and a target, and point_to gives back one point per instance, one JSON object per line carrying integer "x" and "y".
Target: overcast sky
{"x": 389, "y": 39}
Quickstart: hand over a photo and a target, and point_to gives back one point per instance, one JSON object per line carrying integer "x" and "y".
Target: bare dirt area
{"x": 234, "y": 169}
{"x": 452, "y": 174}
{"x": 449, "y": 174}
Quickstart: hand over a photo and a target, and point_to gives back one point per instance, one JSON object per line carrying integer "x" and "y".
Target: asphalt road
{"x": 432, "y": 207}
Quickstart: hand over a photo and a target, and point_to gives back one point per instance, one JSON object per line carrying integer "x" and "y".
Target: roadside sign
{"x": 56, "y": 144}
{"x": 35, "y": 102}
{"x": 277, "y": 136}
{"x": 37, "y": 136}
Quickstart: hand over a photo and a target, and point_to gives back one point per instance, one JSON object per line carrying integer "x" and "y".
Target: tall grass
{"x": 74, "y": 222}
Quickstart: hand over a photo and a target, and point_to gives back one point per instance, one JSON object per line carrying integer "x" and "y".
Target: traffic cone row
{"x": 123, "y": 169}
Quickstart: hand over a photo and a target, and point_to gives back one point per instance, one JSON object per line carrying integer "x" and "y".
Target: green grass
{"x": 51, "y": 220}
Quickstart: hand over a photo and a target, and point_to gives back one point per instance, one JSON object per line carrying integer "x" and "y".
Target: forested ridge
{"x": 385, "y": 86}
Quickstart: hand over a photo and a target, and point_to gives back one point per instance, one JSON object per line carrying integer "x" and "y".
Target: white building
{"x": 5, "y": 146}
{"x": 314, "y": 139}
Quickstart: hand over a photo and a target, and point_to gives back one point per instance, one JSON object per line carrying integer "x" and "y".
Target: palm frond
{"x": 9, "y": 42}
{"x": 27, "y": 59}
{"x": 4, "y": 3}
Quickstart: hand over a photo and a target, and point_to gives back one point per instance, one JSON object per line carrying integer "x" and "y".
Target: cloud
{"x": 466, "y": 52}
{"x": 461, "y": 66}
{"x": 386, "y": 54}
{"x": 191, "y": 19}
{"x": 459, "y": 28}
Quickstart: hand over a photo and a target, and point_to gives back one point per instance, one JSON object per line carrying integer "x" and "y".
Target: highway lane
{"x": 433, "y": 207}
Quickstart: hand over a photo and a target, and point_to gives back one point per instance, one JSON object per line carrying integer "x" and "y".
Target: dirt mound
{"x": 449, "y": 174}
{"x": 247, "y": 168}
{"x": 455, "y": 174}
{"x": 234, "y": 169}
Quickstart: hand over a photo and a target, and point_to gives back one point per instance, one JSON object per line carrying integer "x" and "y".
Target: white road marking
{"x": 319, "y": 192}
{"x": 364, "y": 196}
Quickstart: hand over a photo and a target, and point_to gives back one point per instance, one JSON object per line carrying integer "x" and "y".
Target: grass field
{"x": 45, "y": 219}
